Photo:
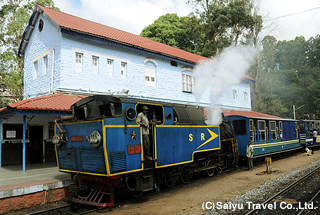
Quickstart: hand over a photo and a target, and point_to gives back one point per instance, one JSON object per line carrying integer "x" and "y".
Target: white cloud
{"x": 133, "y": 16}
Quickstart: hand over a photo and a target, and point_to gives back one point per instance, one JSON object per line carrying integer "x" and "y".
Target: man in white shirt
{"x": 249, "y": 155}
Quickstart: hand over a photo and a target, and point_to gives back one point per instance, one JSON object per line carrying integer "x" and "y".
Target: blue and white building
{"x": 64, "y": 53}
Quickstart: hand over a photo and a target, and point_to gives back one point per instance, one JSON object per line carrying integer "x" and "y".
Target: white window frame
{"x": 78, "y": 62}
{"x": 245, "y": 95}
{"x": 187, "y": 82}
{"x": 36, "y": 69}
{"x": 273, "y": 130}
{"x": 124, "y": 68}
{"x": 95, "y": 65}
{"x": 109, "y": 68}
{"x": 45, "y": 61}
{"x": 150, "y": 76}
{"x": 281, "y": 130}
{"x": 262, "y": 131}
{"x": 251, "y": 126}
{"x": 234, "y": 93}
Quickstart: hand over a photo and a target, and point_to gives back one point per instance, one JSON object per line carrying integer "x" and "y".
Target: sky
{"x": 133, "y": 15}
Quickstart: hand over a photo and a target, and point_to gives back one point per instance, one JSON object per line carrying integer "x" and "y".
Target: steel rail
{"x": 286, "y": 189}
{"x": 309, "y": 202}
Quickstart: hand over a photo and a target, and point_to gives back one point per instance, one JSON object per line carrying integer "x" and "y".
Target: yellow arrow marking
{"x": 213, "y": 136}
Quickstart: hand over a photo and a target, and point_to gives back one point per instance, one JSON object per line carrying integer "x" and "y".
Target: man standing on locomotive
{"x": 249, "y": 156}
{"x": 142, "y": 119}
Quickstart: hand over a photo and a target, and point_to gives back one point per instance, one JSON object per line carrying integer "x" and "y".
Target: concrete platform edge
{"x": 33, "y": 189}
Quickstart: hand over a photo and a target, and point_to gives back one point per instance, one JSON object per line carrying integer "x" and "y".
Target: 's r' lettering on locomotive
{"x": 190, "y": 137}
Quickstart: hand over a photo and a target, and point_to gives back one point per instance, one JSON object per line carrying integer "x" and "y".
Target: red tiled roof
{"x": 74, "y": 23}
{"x": 230, "y": 112}
{"x": 77, "y": 24}
{"x": 55, "y": 102}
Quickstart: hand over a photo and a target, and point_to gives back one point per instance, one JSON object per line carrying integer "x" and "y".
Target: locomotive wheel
{"x": 210, "y": 172}
{"x": 185, "y": 175}
{"x": 136, "y": 194}
{"x": 170, "y": 177}
{"x": 219, "y": 169}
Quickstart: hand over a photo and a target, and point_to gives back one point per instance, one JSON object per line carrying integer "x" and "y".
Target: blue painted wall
{"x": 61, "y": 51}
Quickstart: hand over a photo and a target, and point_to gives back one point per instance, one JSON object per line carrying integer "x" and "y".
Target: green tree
{"x": 173, "y": 30}
{"x": 14, "y": 18}
{"x": 217, "y": 24}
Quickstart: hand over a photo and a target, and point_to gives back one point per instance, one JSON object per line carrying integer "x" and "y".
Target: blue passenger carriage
{"x": 268, "y": 134}
{"x": 306, "y": 128}
{"x": 102, "y": 144}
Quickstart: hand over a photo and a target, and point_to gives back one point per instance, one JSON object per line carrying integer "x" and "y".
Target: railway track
{"x": 68, "y": 209}
{"x": 297, "y": 198}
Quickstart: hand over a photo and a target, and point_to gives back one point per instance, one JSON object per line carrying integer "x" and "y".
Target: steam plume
{"x": 219, "y": 74}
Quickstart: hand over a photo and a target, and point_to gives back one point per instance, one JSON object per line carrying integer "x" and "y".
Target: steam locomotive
{"x": 101, "y": 146}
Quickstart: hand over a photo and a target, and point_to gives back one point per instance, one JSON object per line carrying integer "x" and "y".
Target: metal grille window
{"x": 79, "y": 57}
{"x": 187, "y": 83}
{"x": 123, "y": 70}
{"x": 109, "y": 68}
{"x": 150, "y": 76}
{"x": 251, "y": 130}
{"x": 262, "y": 129}
{"x": 95, "y": 64}
{"x": 273, "y": 130}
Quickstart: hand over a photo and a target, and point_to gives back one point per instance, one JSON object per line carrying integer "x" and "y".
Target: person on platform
{"x": 249, "y": 156}
{"x": 314, "y": 135}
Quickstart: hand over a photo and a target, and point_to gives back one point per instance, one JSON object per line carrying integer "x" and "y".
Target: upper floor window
{"x": 79, "y": 59}
{"x": 187, "y": 82}
{"x": 234, "y": 94}
{"x": 45, "y": 61}
{"x": 36, "y": 69}
{"x": 109, "y": 68}
{"x": 150, "y": 75}
{"x": 123, "y": 70}
{"x": 245, "y": 95}
{"x": 95, "y": 64}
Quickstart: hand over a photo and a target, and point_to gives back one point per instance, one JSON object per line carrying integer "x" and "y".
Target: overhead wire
{"x": 293, "y": 14}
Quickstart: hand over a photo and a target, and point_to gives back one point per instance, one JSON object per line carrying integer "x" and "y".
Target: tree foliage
{"x": 14, "y": 18}
{"x": 216, "y": 24}
{"x": 291, "y": 76}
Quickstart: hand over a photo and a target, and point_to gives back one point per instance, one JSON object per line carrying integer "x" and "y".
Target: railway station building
{"x": 67, "y": 57}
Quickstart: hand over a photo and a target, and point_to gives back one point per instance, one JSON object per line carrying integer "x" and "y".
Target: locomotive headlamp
{"x": 94, "y": 139}
{"x": 59, "y": 139}
{"x": 56, "y": 139}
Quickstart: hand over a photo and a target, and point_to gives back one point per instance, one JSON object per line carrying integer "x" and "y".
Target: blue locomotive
{"x": 101, "y": 146}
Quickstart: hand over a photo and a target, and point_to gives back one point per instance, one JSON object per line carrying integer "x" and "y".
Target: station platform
{"x": 43, "y": 180}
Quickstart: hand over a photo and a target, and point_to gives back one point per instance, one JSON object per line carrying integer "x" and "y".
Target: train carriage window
{"x": 240, "y": 127}
{"x": 251, "y": 130}
{"x": 262, "y": 129}
{"x": 297, "y": 127}
{"x": 273, "y": 130}
{"x": 281, "y": 131}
